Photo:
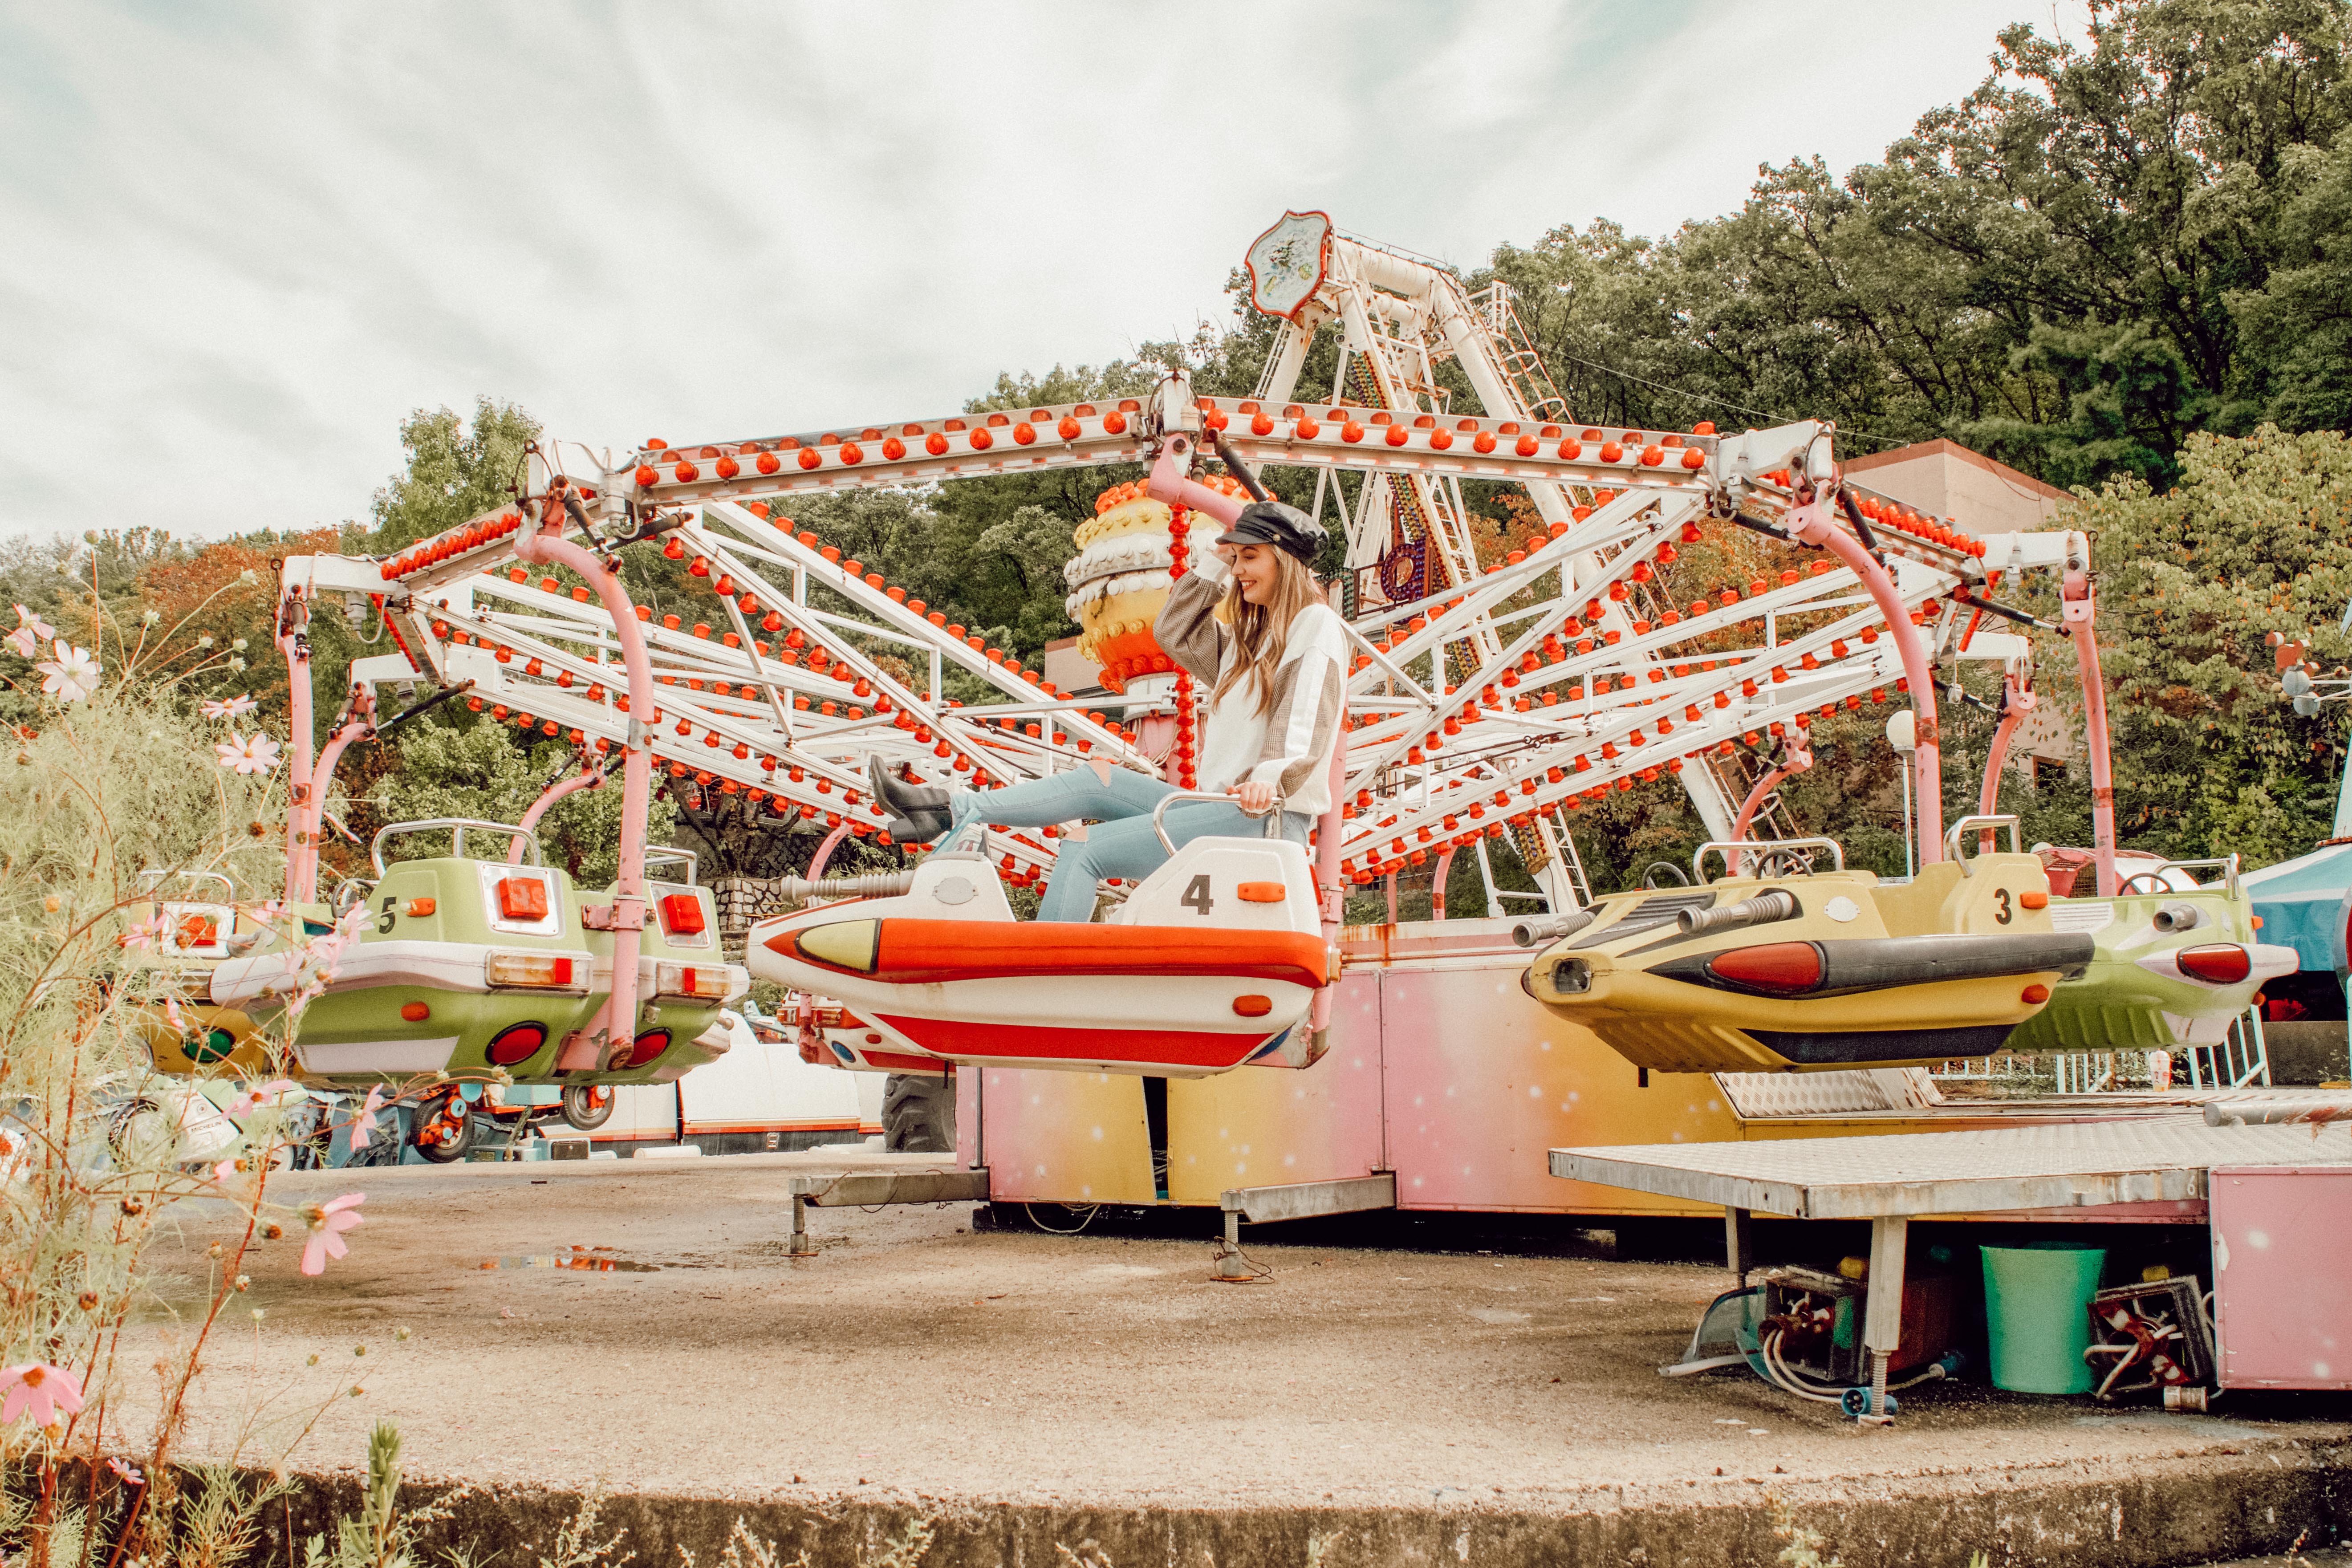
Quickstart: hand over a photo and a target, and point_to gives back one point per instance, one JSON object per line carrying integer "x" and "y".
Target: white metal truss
{"x": 1565, "y": 671}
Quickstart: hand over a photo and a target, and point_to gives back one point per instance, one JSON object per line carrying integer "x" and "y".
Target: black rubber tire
{"x": 577, "y": 1112}
{"x": 449, "y": 1150}
{"x": 918, "y": 1114}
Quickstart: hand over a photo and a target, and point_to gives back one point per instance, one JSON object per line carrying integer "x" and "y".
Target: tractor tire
{"x": 449, "y": 1120}
{"x": 582, "y": 1108}
{"x": 918, "y": 1114}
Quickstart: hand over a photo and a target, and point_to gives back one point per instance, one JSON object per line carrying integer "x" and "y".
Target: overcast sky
{"x": 239, "y": 243}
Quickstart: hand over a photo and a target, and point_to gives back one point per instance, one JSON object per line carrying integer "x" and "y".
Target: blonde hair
{"x": 1259, "y": 629}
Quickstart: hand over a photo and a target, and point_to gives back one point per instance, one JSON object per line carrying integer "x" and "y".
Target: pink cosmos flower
{"x": 39, "y": 1389}
{"x": 255, "y": 754}
{"x": 328, "y": 1222}
{"x": 127, "y": 1473}
{"x": 364, "y": 1123}
{"x": 231, "y": 707}
{"x": 31, "y": 631}
{"x": 146, "y": 933}
{"x": 72, "y": 675}
{"x": 173, "y": 1016}
{"x": 253, "y": 1099}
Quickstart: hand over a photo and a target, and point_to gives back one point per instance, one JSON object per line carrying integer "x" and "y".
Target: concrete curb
{"x": 2179, "y": 1511}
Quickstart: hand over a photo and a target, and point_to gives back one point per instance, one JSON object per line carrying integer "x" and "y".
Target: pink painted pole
{"x": 2013, "y": 714}
{"x": 291, "y": 618}
{"x": 1438, "y": 875}
{"x": 1796, "y": 761}
{"x": 591, "y": 778}
{"x": 825, "y": 850}
{"x": 616, "y": 1022}
{"x": 1927, "y": 764}
{"x": 302, "y": 859}
{"x": 1167, "y": 483}
{"x": 1329, "y": 886}
{"x": 2078, "y": 612}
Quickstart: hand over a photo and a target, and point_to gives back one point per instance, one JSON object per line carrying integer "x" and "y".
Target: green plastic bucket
{"x": 2037, "y": 1315}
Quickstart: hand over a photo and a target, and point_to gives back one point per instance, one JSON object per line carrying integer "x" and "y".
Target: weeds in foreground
{"x": 745, "y": 1549}
{"x": 1804, "y": 1548}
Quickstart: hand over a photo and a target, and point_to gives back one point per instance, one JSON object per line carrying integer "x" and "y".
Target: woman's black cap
{"x": 1284, "y": 527}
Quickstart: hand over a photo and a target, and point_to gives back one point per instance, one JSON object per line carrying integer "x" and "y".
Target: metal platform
{"x": 2052, "y": 1165}
{"x": 1892, "y": 1181}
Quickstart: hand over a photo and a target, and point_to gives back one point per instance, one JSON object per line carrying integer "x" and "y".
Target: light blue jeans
{"x": 1121, "y": 843}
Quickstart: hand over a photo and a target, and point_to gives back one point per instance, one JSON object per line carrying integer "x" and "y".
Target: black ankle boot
{"x": 919, "y": 813}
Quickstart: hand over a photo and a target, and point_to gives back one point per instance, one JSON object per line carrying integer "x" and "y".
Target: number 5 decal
{"x": 1196, "y": 896}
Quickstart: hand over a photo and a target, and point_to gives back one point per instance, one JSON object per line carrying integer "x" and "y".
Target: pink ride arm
{"x": 1329, "y": 887}
{"x": 1818, "y": 529}
{"x": 614, "y": 1023}
{"x": 825, "y": 851}
{"x": 554, "y": 793}
{"x": 2013, "y": 714}
{"x": 1796, "y": 761}
{"x": 297, "y": 746}
{"x": 1169, "y": 484}
{"x": 304, "y": 820}
{"x": 2078, "y": 611}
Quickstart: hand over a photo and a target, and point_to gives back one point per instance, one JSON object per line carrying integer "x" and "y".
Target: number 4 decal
{"x": 1196, "y": 896}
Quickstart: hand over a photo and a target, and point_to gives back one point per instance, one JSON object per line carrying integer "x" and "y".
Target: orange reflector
{"x": 2035, "y": 897}
{"x": 522, "y": 899}
{"x": 1775, "y": 966}
{"x": 1264, "y": 893}
{"x": 542, "y": 970}
{"x": 681, "y": 914}
{"x": 2034, "y": 995}
{"x": 1253, "y": 1006}
{"x": 418, "y": 908}
{"x": 414, "y": 1012}
{"x": 2225, "y": 964}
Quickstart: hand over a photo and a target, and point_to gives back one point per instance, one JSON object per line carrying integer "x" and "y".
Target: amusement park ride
{"x": 1494, "y": 693}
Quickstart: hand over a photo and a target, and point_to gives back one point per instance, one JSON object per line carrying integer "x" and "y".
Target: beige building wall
{"x": 1948, "y": 480}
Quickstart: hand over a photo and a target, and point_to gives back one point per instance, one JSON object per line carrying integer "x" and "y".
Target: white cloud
{"x": 241, "y": 248}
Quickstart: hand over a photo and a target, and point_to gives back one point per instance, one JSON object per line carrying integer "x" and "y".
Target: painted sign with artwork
{"x": 1287, "y": 263}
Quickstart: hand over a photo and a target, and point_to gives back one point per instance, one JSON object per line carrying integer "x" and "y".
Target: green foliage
{"x": 2256, "y": 538}
{"x": 479, "y": 770}
{"x": 455, "y": 471}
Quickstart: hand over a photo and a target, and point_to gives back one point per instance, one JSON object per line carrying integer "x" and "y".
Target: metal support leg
{"x": 1738, "y": 1247}
{"x": 803, "y": 1246}
{"x": 1227, "y": 1260}
{"x": 1882, "y": 1318}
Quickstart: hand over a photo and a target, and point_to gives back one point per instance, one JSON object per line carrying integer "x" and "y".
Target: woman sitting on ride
{"x": 1278, "y": 676}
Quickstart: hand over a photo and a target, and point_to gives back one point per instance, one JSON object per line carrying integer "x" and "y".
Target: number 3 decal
{"x": 2000, "y": 906}
{"x": 1196, "y": 896}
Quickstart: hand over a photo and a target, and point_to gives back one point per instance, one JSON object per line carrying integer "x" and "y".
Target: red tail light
{"x": 516, "y": 1044}
{"x": 2224, "y": 963}
{"x": 681, "y": 914}
{"x": 1776, "y": 966}
{"x": 643, "y": 1049}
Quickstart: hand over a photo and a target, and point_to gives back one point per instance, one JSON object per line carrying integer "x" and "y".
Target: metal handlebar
{"x": 2227, "y": 863}
{"x": 1760, "y": 847}
{"x": 670, "y": 857}
{"x": 457, "y": 827}
{"x": 1272, "y": 813}
{"x": 1995, "y": 822}
{"x": 156, "y": 876}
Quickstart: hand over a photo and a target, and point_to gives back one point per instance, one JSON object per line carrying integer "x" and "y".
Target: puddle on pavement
{"x": 586, "y": 1259}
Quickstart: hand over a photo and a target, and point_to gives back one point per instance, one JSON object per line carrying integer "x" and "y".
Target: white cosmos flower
{"x": 255, "y": 754}
{"x": 72, "y": 675}
{"x": 231, "y": 707}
